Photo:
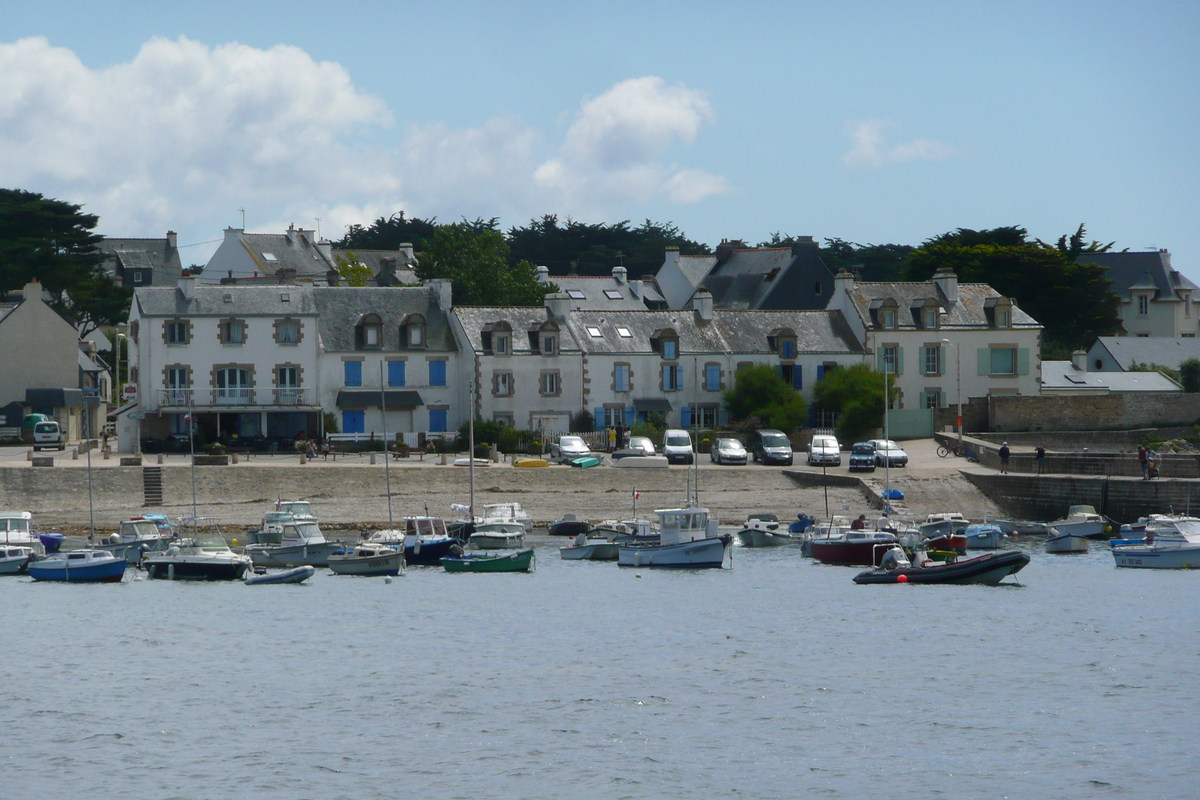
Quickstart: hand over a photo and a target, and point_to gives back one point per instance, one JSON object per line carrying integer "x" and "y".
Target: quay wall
{"x": 1075, "y": 462}
{"x": 1047, "y": 497}
{"x": 1115, "y": 411}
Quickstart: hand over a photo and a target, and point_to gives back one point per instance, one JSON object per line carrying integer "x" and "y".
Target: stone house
{"x": 142, "y": 262}
{"x": 1156, "y": 299}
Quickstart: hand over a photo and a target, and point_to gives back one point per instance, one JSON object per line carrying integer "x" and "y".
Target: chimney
{"x": 387, "y": 271}
{"x": 229, "y": 280}
{"x": 408, "y": 256}
{"x": 672, "y": 256}
{"x": 187, "y": 286}
{"x": 33, "y": 291}
{"x": 619, "y": 274}
{"x": 947, "y": 283}
{"x": 558, "y": 306}
{"x": 635, "y": 288}
{"x": 290, "y": 234}
{"x": 543, "y": 274}
{"x": 332, "y": 277}
{"x": 325, "y": 247}
{"x": 172, "y": 240}
{"x": 843, "y": 282}
{"x": 442, "y": 294}
{"x": 725, "y": 250}
{"x": 234, "y": 234}
{"x": 702, "y": 304}
{"x": 1079, "y": 360}
{"x": 803, "y": 243}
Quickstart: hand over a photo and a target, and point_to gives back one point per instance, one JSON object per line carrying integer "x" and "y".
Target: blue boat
{"x": 294, "y": 575}
{"x": 51, "y": 541}
{"x": 82, "y": 566}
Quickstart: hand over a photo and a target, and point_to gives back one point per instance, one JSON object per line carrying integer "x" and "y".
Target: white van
{"x": 677, "y": 446}
{"x": 48, "y": 436}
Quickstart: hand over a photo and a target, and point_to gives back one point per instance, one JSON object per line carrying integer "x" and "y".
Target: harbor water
{"x": 777, "y": 678}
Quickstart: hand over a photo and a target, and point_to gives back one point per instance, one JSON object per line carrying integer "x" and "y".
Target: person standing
{"x": 1004, "y": 454}
{"x": 612, "y": 439}
{"x": 1041, "y": 459}
{"x": 620, "y": 436}
{"x": 1145, "y": 462}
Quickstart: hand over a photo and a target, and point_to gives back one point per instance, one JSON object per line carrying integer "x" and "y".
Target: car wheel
{"x": 789, "y": 462}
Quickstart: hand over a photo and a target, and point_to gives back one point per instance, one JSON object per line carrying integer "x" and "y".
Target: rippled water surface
{"x": 777, "y": 678}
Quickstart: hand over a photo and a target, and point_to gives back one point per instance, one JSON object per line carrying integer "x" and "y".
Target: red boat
{"x": 849, "y": 548}
{"x": 955, "y": 542}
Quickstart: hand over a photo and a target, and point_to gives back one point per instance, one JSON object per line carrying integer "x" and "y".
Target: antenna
{"x": 318, "y": 219}
{"x": 243, "y": 218}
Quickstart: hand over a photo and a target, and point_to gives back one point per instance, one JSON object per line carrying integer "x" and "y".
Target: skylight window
{"x": 285, "y": 297}
{"x": 624, "y": 332}
{"x": 593, "y": 331}
{"x": 612, "y": 294}
{"x": 269, "y": 256}
{"x": 576, "y": 294}
{"x": 228, "y": 298}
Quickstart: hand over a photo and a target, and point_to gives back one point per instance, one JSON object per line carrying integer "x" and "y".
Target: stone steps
{"x": 152, "y": 490}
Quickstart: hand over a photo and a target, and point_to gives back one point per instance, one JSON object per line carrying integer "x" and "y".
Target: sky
{"x": 874, "y": 122}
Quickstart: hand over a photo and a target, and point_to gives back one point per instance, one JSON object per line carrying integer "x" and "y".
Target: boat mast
{"x": 471, "y": 455}
{"x": 191, "y": 420}
{"x": 387, "y": 475}
{"x": 887, "y": 459}
{"x": 91, "y": 507}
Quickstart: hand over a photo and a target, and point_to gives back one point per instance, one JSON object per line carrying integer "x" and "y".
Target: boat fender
{"x": 456, "y": 550}
{"x": 901, "y": 578}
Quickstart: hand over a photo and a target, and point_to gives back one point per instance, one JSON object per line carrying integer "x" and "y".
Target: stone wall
{"x": 1114, "y": 411}
{"x": 1048, "y": 497}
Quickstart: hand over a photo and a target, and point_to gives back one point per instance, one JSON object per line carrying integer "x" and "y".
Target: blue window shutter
{"x": 820, "y": 372}
{"x": 598, "y": 417}
{"x": 685, "y": 417}
{"x": 437, "y": 373}
{"x": 985, "y": 361}
{"x": 723, "y": 417}
{"x": 798, "y": 375}
{"x": 353, "y": 374}
{"x": 628, "y": 416}
{"x": 396, "y": 373}
{"x": 880, "y": 364}
{"x": 679, "y": 379}
{"x": 779, "y": 370}
{"x": 712, "y": 377}
{"x": 899, "y": 360}
{"x": 437, "y": 420}
{"x": 1022, "y": 360}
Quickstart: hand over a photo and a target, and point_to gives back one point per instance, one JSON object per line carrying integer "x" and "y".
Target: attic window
{"x": 612, "y": 294}
{"x": 228, "y": 298}
{"x": 269, "y": 256}
{"x": 624, "y": 332}
{"x": 593, "y": 331}
{"x": 285, "y": 297}
{"x": 576, "y": 294}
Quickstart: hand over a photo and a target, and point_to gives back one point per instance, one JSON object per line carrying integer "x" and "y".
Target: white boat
{"x": 298, "y": 542}
{"x": 628, "y": 530}
{"x": 134, "y": 538}
{"x": 1171, "y": 542}
{"x": 590, "y": 548}
{"x": 508, "y": 511}
{"x": 503, "y": 526}
{"x": 984, "y": 537}
{"x": 642, "y": 462}
{"x": 15, "y": 558}
{"x": 426, "y": 540}
{"x": 1021, "y": 528}
{"x": 16, "y": 527}
{"x": 200, "y": 554}
{"x": 285, "y": 511}
{"x": 368, "y": 558}
{"x": 1059, "y": 542}
{"x": 764, "y": 530}
{"x": 688, "y": 540}
{"x": 1082, "y": 520}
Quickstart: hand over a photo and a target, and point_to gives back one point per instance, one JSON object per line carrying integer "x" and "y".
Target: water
{"x": 778, "y": 678}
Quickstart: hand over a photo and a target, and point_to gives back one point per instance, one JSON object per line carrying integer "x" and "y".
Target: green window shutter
{"x": 985, "y": 361}
{"x": 1022, "y": 360}
{"x": 899, "y": 360}
{"x": 879, "y": 360}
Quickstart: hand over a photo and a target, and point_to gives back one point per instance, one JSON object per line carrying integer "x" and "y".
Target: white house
{"x": 939, "y": 334}
{"x": 294, "y": 254}
{"x": 1156, "y": 300}
{"x": 1122, "y": 353}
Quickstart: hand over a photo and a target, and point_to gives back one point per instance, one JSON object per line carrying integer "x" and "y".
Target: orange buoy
{"x": 901, "y": 578}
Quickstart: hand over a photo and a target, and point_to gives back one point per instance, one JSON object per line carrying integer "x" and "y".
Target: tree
{"x": 1074, "y": 302}
{"x": 758, "y": 391}
{"x": 352, "y": 269}
{"x": 1189, "y": 375}
{"x": 577, "y": 248}
{"x": 475, "y": 257}
{"x": 856, "y": 393}
{"x": 53, "y": 241}
{"x": 390, "y": 233}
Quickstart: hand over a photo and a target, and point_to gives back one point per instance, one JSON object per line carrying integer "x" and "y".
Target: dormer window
{"x": 670, "y": 349}
{"x": 369, "y": 333}
{"x": 412, "y": 332}
{"x": 889, "y": 318}
{"x": 930, "y": 321}
{"x": 1002, "y": 318}
{"x": 548, "y": 344}
{"x": 500, "y": 344}
{"x": 1143, "y": 305}
{"x": 999, "y": 310}
{"x": 787, "y": 348}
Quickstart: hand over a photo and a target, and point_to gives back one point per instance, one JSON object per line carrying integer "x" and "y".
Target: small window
{"x": 670, "y": 349}
{"x": 177, "y": 333}
{"x": 285, "y": 297}
{"x": 550, "y": 383}
{"x": 288, "y": 332}
{"x": 502, "y": 384}
{"x": 548, "y": 345}
{"x": 1004, "y": 361}
{"x": 575, "y": 294}
{"x": 228, "y": 297}
{"x": 501, "y": 345}
{"x": 416, "y": 335}
{"x": 269, "y": 257}
{"x": 817, "y": 287}
{"x": 594, "y": 332}
{"x": 889, "y": 319}
{"x": 624, "y": 332}
{"x": 235, "y": 331}
{"x": 788, "y": 349}
{"x": 931, "y": 318}
{"x": 371, "y": 336}
{"x": 1143, "y": 305}
{"x": 612, "y": 294}
{"x": 137, "y": 277}
{"x": 889, "y": 360}
{"x": 933, "y": 361}
{"x": 1001, "y": 318}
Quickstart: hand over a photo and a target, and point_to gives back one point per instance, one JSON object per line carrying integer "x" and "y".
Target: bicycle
{"x": 947, "y": 450}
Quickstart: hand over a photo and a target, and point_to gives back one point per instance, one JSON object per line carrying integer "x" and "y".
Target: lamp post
{"x": 958, "y": 391}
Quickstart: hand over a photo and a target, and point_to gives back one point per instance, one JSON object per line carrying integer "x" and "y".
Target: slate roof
{"x": 696, "y": 268}
{"x": 642, "y": 325}
{"x": 968, "y": 312}
{"x": 816, "y": 331}
{"x": 1062, "y": 375}
{"x": 1166, "y": 351}
{"x": 374, "y": 259}
{"x": 1126, "y": 270}
{"x": 297, "y": 252}
{"x": 342, "y": 307}
{"x": 155, "y": 254}
{"x": 740, "y": 281}
{"x": 209, "y": 301}
{"x": 595, "y": 292}
{"x": 522, "y": 319}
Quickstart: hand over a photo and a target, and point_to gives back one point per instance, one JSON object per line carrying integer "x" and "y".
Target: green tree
{"x": 758, "y": 391}
{"x": 53, "y": 241}
{"x": 1073, "y": 302}
{"x": 1189, "y": 375}
{"x": 577, "y": 248}
{"x": 475, "y": 257}
{"x": 352, "y": 269}
{"x": 856, "y": 394}
{"x": 390, "y": 233}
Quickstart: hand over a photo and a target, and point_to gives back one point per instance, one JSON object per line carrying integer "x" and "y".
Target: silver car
{"x": 569, "y": 448}
{"x": 643, "y": 444}
{"x": 889, "y": 454}
{"x": 728, "y": 451}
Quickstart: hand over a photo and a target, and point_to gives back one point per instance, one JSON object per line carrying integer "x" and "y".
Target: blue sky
{"x": 873, "y": 122}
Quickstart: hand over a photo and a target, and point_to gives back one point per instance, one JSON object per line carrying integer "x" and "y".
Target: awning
{"x": 39, "y": 399}
{"x": 660, "y": 404}
{"x": 369, "y": 398}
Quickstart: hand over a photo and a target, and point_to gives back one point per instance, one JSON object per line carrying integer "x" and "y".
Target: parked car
{"x": 771, "y": 446}
{"x": 862, "y": 456}
{"x": 824, "y": 449}
{"x": 568, "y": 448}
{"x": 728, "y": 451}
{"x": 48, "y": 436}
{"x": 889, "y": 454}
{"x": 641, "y": 444}
{"x": 677, "y": 446}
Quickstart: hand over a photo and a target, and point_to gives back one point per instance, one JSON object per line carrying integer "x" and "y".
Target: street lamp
{"x": 958, "y": 379}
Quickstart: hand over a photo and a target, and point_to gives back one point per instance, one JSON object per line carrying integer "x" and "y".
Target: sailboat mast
{"x": 471, "y": 454}
{"x": 91, "y": 506}
{"x": 887, "y": 458}
{"x": 387, "y": 475}
{"x": 191, "y": 421}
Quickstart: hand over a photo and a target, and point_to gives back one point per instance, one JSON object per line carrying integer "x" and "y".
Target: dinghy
{"x": 294, "y": 575}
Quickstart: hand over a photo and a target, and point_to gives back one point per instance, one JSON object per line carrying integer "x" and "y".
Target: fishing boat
{"x": 1058, "y": 542}
{"x": 367, "y": 558}
{"x": 1082, "y": 520}
{"x": 298, "y": 542}
{"x": 569, "y": 525}
{"x": 283, "y": 512}
{"x": 838, "y": 544}
{"x": 79, "y": 566}
{"x": 294, "y": 575}
{"x": 984, "y": 537}
{"x": 16, "y": 527}
{"x": 590, "y": 548}
{"x": 14, "y": 559}
{"x": 134, "y": 538}
{"x": 200, "y": 554}
{"x": 945, "y": 532}
{"x": 516, "y": 561}
{"x": 426, "y": 540}
{"x": 989, "y": 569}
{"x": 764, "y": 530}
{"x": 502, "y": 526}
{"x": 1170, "y": 542}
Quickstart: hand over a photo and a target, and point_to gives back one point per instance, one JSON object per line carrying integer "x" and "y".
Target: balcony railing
{"x": 241, "y": 396}
{"x": 176, "y": 398}
{"x": 290, "y": 396}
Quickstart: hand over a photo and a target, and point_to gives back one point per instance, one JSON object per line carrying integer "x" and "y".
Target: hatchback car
{"x": 824, "y": 450}
{"x": 889, "y": 454}
{"x": 728, "y": 451}
{"x": 862, "y": 456}
{"x": 569, "y": 448}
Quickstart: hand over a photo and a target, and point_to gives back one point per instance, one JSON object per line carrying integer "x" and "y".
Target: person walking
{"x": 1004, "y": 453}
{"x": 1144, "y": 460}
{"x": 1041, "y": 459}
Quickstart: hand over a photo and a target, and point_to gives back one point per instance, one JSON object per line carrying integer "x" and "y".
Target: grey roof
{"x": 642, "y": 326}
{"x": 209, "y": 300}
{"x": 745, "y": 275}
{"x": 696, "y": 268}
{"x": 370, "y": 398}
{"x": 1166, "y": 351}
{"x": 1062, "y": 375}
{"x": 968, "y": 312}
{"x": 295, "y": 251}
{"x": 155, "y": 254}
{"x": 816, "y": 331}
{"x": 474, "y": 319}
{"x": 1126, "y": 270}
{"x": 342, "y": 307}
{"x": 596, "y": 291}
{"x": 377, "y": 262}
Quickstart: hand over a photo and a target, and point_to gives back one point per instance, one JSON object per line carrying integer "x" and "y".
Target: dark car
{"x": 771, "y": 447}
{"x": 862, "y": 456}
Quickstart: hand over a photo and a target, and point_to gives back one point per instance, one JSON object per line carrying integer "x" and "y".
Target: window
{"x": 502, "y": 384}
{"x": 179, "y": 425}
{"x": 575, "y": 294}
{"x": 137, "y": 277}
{"x": 287, "y": 331}
{"x": 500, "y": 344}
{"x": 437, "y": 420}
{"x": 1001, "y": 317}
{"x": 1143, "y": 305}
{"x": 712, "y": 378}
{"x": 437, "y": 373}
{"x": 670, "y": 349}
{"x": 931, "y": 399}
{"x": 817, "y": 287}
{"x": 179, "y": 380}
{"x": 787, "y": 349}
{"x": 889, "y": 358}
{"x": 395, "y": 370}
{"x": 1004, "y": 361}
{"x": 612, "y": 294}
{"x": 371, "y": 336}
{"x": 614, "y": 416}
{"x": 550, "y": 384}
{"x": 621, "y": 378}
{"x": 705, "y": 417}
{"x": 624, "y": 332}
{"x": 285, "y": 297}
{"x": 353, "y": 373}
{"x": 177, "y": 332}
{"x": 672, "y": 378}
{"x": 269, "y": 256}
{"x": 233, "y": 386}
{"x": 548, "y": 345}
{"x": 593, "y": 331}
{"x": 287, "y": 377}
{"x": 416, "y": 335}
{"x": 933, "y": 360}
{"x": 889, "y": 319}
{"x": 931, "y": 318}
{"x": 369, "y": 332}
{"x": 233, "y": 331}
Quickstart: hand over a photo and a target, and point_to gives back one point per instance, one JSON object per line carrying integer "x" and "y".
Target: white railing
{"x": 175, "y": 397}
{"x": 233, "y": 397}
{"x": 289, "y": 396}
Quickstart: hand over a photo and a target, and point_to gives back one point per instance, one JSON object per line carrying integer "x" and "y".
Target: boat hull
{"x": 366, "y": 566}
{"x": 520, "y": 561}
{"x": 1019, "y": 528}
{"x": 15, "y": 565}
{"x": 313, "y": 555}
{"x": 753, "y": 538}
{"x": 293, "y": 575}
{"x": 1066, "y": 543}
{"x": 1087, "y": 530}
{"x": 844, "y": 553}
{"x": 1141, "y": 556}
{"x": 108, "y": 571}
{"x": 988, "y": 569}
{"x": 496, "y": 540}
{"x": 699, "y": 554}
{"x": 597, "y": 551}
{"x": 569, "y": 527}
{"x": 196, "y": 570}
{"x": 431, "y": 553}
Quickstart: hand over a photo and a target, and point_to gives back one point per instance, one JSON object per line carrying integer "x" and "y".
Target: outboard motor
{"x": 894, "y": 558}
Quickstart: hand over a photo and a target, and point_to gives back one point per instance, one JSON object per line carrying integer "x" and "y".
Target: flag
{"x": 186, "y": 417}
{"x": 636, "y": 494}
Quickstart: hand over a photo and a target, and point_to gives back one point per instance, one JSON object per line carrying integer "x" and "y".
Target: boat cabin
{"x": 137, "y": 530}
{"x": 426, "y": 527}
{"x": 679, "y": 525}
{"x": 16, "y": 527}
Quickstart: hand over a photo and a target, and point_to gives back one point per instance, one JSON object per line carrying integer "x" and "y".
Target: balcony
{"x": 238, "y": 396}
{"x": 176, "y": 398}
{"x": 291, "y": 396}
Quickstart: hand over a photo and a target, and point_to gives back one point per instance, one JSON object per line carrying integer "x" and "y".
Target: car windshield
{"x": 729, "y": 444}
{"x": 678, "y": 440}
{"x": 864, "y": 448}
{"x": 46, "y": 427}
{"x": 887, "y": 446}
{"x": 823, "y": 441}
{"x": 570, "y": 441}
{"x": 775, "y": 440}
{"x": 640, "y": 441}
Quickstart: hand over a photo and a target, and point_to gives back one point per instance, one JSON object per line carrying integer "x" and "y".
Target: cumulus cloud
{"x": 871, "y": 149}
{"x": 184, "y": 135}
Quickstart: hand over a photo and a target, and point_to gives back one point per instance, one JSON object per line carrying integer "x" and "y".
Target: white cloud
{"x": 185, "y": 134}
{"x": 871, "y": 149}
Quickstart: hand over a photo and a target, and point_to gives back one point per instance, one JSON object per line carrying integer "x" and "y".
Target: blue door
{"x": 354, "y": 421}
{"x": 437, "y": 417}
{"x": 395, "y": 373}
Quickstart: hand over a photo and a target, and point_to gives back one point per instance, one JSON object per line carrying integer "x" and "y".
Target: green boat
{"x": 516, "y": 561}
{"x": 585, "y": 462}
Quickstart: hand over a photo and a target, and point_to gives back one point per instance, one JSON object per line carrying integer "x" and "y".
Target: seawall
{"x": 1048, "y": 497}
